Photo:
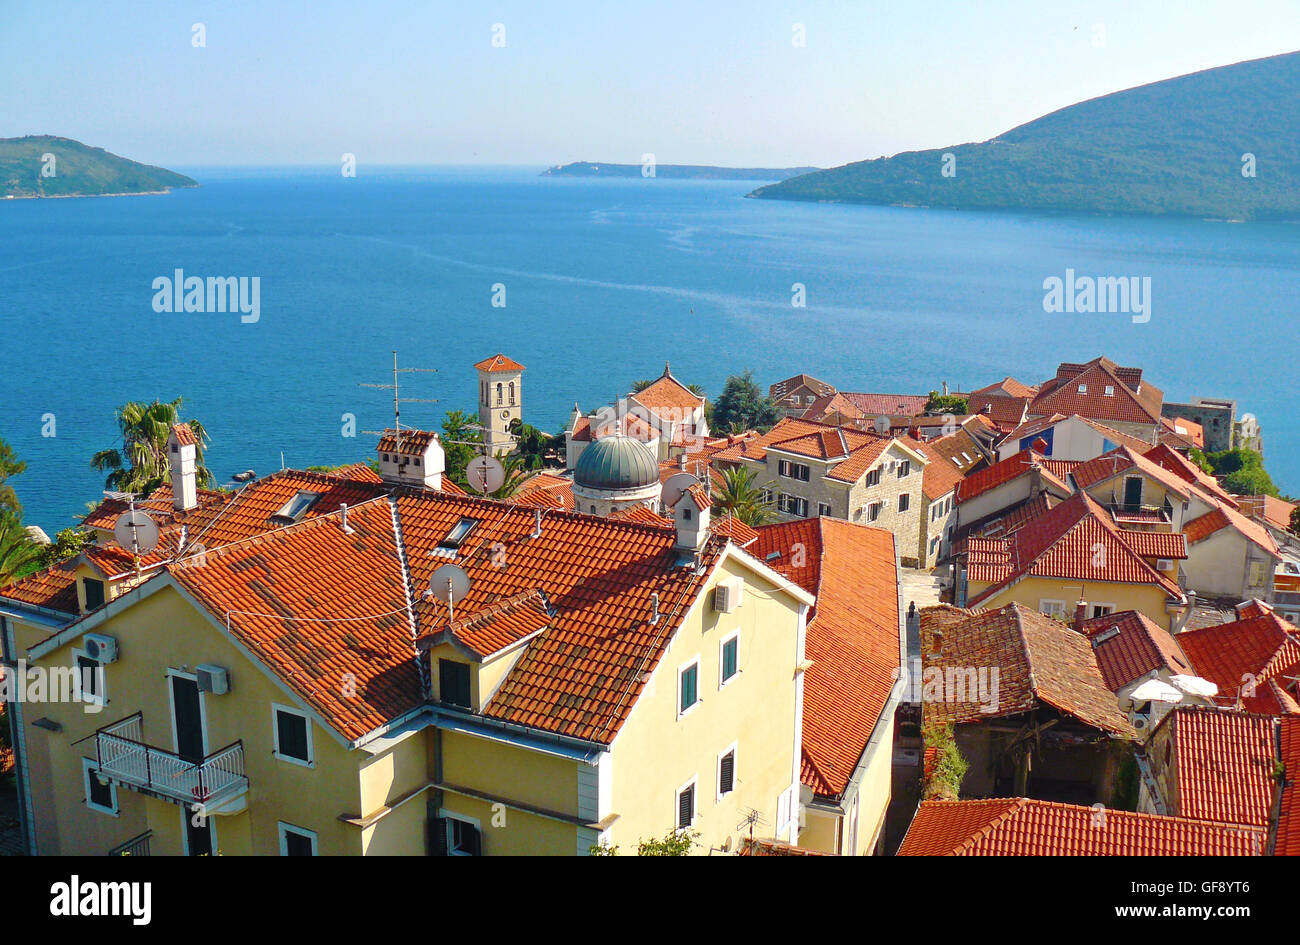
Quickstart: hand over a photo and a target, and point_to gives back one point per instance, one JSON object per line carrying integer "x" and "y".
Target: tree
{"x": 1295, "y": 521}
{"x": 742, "y": 406}
{"x": 741, "y": 496}
{"x": 459, "y": 426}
{"x": 19, "y": 554}
{"x": 535, "y": 447}
{"x": 1250, "y": 480}
{"x": 67, "y": 544}
{"x": 945, "y": 403}
{"x": 141, "y": 465}
{"x": 942, "y": 778}
{"x": 10, "y": 465}
{"x": 673, "y": 843}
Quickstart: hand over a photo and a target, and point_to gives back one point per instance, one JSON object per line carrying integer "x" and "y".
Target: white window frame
{"x": 681, "y": 669}
{"x": 1047, "y": 600}
{"x": 722, "y": 683}
{"x": 282, "y": 828}
{"x": 1093, "y": 606}
{"x": 904, "y": 502}
{"x": 694, "y": 784}
{"x": 878, "y": 506}
{"x": 823, "y": 510}
{"x": 717, "y": 771}
{"x": 100, "y": 698}
{"x": 277, "y": 708}
{"x": 474, "y": 822}
{"x": 88, "y": 766}
{"x": 171, "y": 705}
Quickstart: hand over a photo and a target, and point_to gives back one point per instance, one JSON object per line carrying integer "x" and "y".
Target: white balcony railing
{"x": 124, "y": 757}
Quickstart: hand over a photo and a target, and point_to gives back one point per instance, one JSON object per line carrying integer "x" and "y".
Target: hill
{"x": 676, "y": 171}
{"x": 79, "y": 170}
{"x": 1175, "y": 147}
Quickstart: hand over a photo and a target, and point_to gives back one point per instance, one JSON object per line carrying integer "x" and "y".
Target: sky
{"x": 542, "y": 83}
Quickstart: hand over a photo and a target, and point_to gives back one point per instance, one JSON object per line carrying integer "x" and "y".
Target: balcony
{"x": 217, "y": 782}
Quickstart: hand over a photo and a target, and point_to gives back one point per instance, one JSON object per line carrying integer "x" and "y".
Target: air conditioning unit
{"x": 1163, "y": 564}
{"x": 100, "y": 647}
{"x": 1140, "y": 723}
{"x": 726, "y": 596}
{"x": 213, "y": 679}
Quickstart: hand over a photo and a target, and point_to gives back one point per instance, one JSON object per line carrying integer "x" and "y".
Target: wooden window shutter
{"x": 727, "y": 773}
{"x": 686, "y": 807}
{"x": 438, "y": 842}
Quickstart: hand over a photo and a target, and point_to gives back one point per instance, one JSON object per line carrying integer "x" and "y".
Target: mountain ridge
{"x": 78, "y": 170}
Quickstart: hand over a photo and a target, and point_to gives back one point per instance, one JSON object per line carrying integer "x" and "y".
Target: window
{"x": 463, "y": 838}
{"x": 791, "y": 470}
{"x": 292, "y": 735}
{"x": 1052, "y": 608}
{"x": 94, "y": 593}
{"x": 295, "y": 508}
{"x": 823, "y": 508}
{"x": 873, "y": 511}
{"x": 1132, "y": 493}
{"x": 1110, "y": 391}
{"x": 90, "y": 679}
{"x": 904, "y": 468}
{"x": 1083, "y": 388}
{"x": 100, "y": 796}
{"x": 295, "y": 841}
{"x": 727, "y": 771}
{"x": 688, "y": 687}
{"x": 729, "y": 658}
{"x": 767, "y": 498}
{"x": 873, "y": 477}
{"x": 686, "y": 805}
{"x": 459, "y": 532}
{"x": 1101, "y": 610}
{"x": 904, "y": 501}
{"x": 453, "y": 682}
{"x": 792, "y": 505}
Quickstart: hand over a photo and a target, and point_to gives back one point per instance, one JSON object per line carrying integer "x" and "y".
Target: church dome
{"x": 616, "y": 462}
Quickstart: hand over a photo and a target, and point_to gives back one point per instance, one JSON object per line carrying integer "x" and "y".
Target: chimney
{"x": 1080, "y": 614}
{"x": 936, "y": 644}
{"x": 681, "y": 461}
{"x": 182, "y": 458}
{"x": 691, "y": 517}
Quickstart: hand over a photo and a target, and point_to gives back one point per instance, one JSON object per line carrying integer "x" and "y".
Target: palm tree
{"x": 19, "y": 555}
{"x": 741, "y": 496}
{"x": 141, "y": 465}
{"x": 516, "y": 472}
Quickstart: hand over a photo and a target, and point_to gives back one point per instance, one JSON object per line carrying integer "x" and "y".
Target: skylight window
{"x": 1083, "y": 388}
{"x": 295, "y": 508}
{"x": 459, "y": 533}
{"x": 1110, "y": 391}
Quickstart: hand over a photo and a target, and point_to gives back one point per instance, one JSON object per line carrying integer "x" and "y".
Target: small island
{"x": 676, "y": 171}
{"x": 50, "y": 166}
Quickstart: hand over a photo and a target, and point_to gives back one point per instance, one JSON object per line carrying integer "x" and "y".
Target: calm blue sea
{"x": 605, "y": 280}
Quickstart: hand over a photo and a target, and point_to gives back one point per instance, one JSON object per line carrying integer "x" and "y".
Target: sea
{"x": 592, "y": 284}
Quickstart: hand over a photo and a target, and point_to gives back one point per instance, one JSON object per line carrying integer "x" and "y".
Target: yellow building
{"x": 284, "y": 676}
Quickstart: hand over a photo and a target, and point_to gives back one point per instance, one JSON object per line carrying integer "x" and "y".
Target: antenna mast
{"x": 398, "y": 400}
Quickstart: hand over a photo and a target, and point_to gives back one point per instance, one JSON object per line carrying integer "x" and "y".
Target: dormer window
{"x": 295, "y": 508}
{"x": 1083, "y": 388}
{"x": 94, "y": 593}
{"x": 456, "y": 537}
{"x": 1110, "y": 391}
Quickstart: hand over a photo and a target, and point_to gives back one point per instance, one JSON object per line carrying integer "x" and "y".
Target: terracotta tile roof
{"x": 497, "y": 626}
{"x": 1123, "y": 461}
{"x": 1063, "y": 544}
{"x": 1223, "y": 761}
{"x": 1287, "y": 841}
{"x": 325, "y": 611}
{"x": 815, "y": 441}
{"x": 1170, "y": 545}
{"x": 1178, "y": 432}
{"x": 1009, "y": 387}
{"x": 54, "y": 588}
{"x": 1224, "y": 516}
{"x": 583, "y": 675}
{"x": 545, "y": 490}
{"x": 728, "y": 526}
{"x": 852, "y": 636}
{"x": 1242, "y": 655}
{"x": 1017, "y": 516}
{"x": 412, "y": 442}
{"x": 1004, "y": 413}
{"x": 158, "y": 505}
{"x": 833, "y": 408}
{"x": 1040, "y": 661}
{"x": 358, "y": 471}
{"x": 499, "y": 364}
{"x": 184, "y": 434}
{"x": 1130, "y": 400}
{"x": 1006, "y": 470}
{"x": 874, "y": 405}
{"x": 667, "y": 392}
{"x": 1019, "y": 826}
{"x": 1138, "y": 648}
{"x": 781, "y": 389}
{"x": 755, "y": 847}
{"x": 959, "y": 448}
{"x": 641, "y": 515}
{"x": 1267, "y": 509}
{"x": 1188, "y": 471}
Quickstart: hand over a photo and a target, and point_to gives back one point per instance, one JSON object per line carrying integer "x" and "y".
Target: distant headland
{"x": 50, "y": 166}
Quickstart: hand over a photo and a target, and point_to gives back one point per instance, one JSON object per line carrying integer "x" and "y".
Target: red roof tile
{"x": 1124, "y": 403}
{"x": 1223, "y": 761}
{"x": 499, "y": 364}
{"x": 1022, "y": 827}
{"x": 875, "y": 405}
{"x": 1004, "y": 471}
{"x": 1287, "y": 842}
{"x": 1138, "y": 648}
{"x": 1241, "y": 656}
{"x": 184, "y": 434}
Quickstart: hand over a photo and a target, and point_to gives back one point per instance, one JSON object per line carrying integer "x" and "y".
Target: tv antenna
{"x": 134, "y": 531}
{"x": 398, "y": 400}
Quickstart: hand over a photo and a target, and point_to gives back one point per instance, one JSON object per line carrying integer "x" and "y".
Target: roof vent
{"x": 654, "y": 609}
{"x": 537, "y": 524}
{"x": 343, "y": 509}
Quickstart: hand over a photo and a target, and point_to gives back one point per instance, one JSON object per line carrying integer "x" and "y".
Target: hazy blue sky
{"x": 691, "y": 82}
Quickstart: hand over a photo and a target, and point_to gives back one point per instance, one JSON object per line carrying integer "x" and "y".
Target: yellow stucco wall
{"x": 1145, "y": 598}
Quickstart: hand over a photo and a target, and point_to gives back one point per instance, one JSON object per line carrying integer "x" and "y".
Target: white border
{"x": 681, "y": 668}
{"x": 276, "y": 709}
{"x": 722, "y": 683}
{"x": 87, "y": 772}
{"x": 717, "y": 773}
{"x": 694, "y": 784}
{"x": 282, "y": 828}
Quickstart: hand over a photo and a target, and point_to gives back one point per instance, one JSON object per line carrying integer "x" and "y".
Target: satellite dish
{"x": 674, "y": 486}
{"x": 485, "y": 473}
{"x": 136, "y": 532}
{"x": 449, "y": 584}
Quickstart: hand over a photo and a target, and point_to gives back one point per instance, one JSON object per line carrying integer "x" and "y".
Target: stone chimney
{"x": 182, "y": 460}
{"x": 1080, "y": 614}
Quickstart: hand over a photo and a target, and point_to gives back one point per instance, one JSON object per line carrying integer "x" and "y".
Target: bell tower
{"x": 500, "y": 401}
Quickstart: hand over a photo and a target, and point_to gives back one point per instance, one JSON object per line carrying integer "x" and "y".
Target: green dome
{"x": 616, "y": 462}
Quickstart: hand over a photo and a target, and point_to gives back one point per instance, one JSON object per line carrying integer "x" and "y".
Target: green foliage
{"x": 535, "y": 447}
{"x": 459, "y": 425}
{"x": 1169, "y": 148}
{"x": 141, "y": 465}
{"x": 1198, "y": 457}
{"x": 673, "y": 843}
{"x": 10, "y": 465}
{"x": 1295, "y": 521}
{"x": 741, "y": 496}
{"x": 1230, "y": 461}
{"x": 67, "y": 544}
{"x": 944, "y": 783}
{"x": 743, "y": 406}
{"x": 78, "y": 169}
{"x": 19, "y": 555}
{"x": 945, "y": 403}
{"x": 1242, "y": 472}
{"x": 1125, "y": 788}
